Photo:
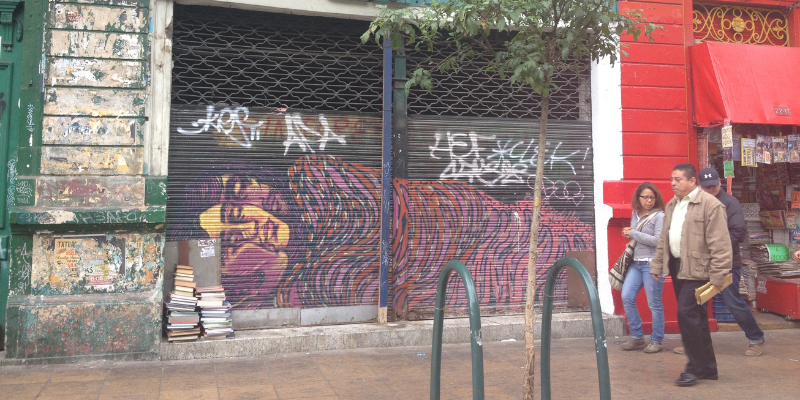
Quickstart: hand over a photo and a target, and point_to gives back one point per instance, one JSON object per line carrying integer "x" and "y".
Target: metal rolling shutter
{"x": 309, "y": 181}
{"x": 240, "y": 138}
{"x": 467, "y": 198}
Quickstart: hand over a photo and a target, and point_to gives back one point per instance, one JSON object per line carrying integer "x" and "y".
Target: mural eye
{"x": 235, "y": 214}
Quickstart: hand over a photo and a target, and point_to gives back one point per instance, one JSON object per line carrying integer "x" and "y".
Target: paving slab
{"x": 404, "y": 373}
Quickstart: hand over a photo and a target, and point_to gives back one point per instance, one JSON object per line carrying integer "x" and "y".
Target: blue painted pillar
{"x": 386, "y": 182}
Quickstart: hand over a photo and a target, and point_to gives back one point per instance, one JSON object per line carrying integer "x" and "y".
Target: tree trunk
{"x": 533, "y": 254}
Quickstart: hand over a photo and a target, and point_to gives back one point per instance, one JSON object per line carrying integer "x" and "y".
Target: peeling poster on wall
{"x": 99, "y": 259}
{"x": 67, "y": 256}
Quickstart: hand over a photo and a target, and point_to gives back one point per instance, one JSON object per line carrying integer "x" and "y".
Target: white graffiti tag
{"x": 507, "y": 162}
{"x": 296, "y": 131}
{"x": 29, "y": 119}
{"x": 238, "y": 125}
{"x": 228, "y": 121}
{"x": 466, "y": 162}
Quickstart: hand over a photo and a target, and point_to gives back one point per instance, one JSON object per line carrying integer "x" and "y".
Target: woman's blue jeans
{"x": 639, "y": 276}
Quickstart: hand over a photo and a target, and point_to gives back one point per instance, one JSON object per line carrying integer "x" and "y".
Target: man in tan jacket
{"x": 694, "y": 248}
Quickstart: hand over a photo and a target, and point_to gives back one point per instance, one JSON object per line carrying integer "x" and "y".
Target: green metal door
{"x": 11, "y": 15}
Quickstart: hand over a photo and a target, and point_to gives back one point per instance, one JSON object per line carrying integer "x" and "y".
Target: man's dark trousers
{"x": 693, "y": 323}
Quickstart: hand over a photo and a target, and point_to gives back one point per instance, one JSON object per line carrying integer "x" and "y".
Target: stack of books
{"x": 756, "y": 234}
{"x": 182, "y": 318}
{"x": 215, "y": 313}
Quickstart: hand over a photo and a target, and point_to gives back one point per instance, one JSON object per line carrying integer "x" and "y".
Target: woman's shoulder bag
{"x": 616, "y": 276}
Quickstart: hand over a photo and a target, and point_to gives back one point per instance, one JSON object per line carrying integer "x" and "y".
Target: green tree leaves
{"x": 545, "y": 35}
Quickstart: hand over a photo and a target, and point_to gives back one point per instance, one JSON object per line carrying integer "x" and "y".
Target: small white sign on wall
{"x": 751, "y": 211}
{"x": 207, "y": 252}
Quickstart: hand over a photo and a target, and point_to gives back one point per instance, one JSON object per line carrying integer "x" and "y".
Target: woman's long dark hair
{"x": 636, "y": 205}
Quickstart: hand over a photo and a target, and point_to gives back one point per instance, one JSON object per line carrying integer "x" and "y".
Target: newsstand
{"x": 747, "y": 117}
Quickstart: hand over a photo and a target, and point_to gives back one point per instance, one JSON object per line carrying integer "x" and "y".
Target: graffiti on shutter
{"x": 292, "y": 196}
{"x": 468, "y": 197}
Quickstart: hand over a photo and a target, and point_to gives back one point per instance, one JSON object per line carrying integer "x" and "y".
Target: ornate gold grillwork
{"x": 734, "y": 24}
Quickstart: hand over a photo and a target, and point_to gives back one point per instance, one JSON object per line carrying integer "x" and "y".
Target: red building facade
{"x": 658, "y": 129}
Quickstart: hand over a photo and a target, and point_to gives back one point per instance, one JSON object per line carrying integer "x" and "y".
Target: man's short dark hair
{"x": 689, "y": 171}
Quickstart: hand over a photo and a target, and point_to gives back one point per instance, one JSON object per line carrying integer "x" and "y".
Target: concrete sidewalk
{"x": 249, "y": 343}
{"x": 403, "y": 373}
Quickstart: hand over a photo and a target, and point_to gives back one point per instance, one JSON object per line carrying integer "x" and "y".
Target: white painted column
{"x": 607, "y": 143}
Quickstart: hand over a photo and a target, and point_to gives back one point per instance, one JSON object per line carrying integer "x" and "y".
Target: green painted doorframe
{"x": 11, "y": 24}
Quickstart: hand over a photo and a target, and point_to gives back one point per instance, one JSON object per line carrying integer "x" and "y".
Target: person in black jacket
{"x": 710, "y": 183}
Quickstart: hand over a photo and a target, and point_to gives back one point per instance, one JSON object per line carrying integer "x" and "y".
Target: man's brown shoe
{"x": 755, "y": 350}
{"x": 679, "y": 350}
{"x": 632, "y": 343}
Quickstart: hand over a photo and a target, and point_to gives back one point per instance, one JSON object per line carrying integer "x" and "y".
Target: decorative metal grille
{"x": 259, "y": 59}
{"x": 471, "y": 91}
{"x": 733, "y": 24}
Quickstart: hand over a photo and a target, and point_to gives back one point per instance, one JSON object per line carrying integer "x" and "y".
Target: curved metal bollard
{"x": 597, "y": 326}
{"x": 474, "y": 326}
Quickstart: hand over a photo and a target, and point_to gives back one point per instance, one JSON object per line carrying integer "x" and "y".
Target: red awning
{"x": 748, "y": 84}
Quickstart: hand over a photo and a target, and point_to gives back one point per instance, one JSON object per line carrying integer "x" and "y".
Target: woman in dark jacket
{"x": 647, "y": 204}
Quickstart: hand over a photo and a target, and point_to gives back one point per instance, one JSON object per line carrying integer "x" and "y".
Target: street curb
{"x": 253, "y": 343}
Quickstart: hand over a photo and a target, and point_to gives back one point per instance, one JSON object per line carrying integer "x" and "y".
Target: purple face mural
{"x": 312, "y": 239}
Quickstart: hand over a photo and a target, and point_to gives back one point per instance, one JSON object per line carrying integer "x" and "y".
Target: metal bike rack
{"x": 597, "y": 326}
{"x": 474, "y": 326}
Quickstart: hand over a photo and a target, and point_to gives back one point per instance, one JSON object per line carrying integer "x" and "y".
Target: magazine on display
{"x": 737, "y": 146}
{"x": 779, "y": 151}
{"x": 763, "y": 149}
{"x": 794, "y": 149}
{"x": 749, "y": 153}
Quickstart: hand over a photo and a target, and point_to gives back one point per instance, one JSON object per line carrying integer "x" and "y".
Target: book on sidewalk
{"x": 183, "y": 291}
{"x": 185, "y": 284}
{"x": 215, "y": 312}
{"x": 182, "y": 320}
{"x": 175, "y": 318}
{"x": 205, "y": 289}
{"x": 209, "y": 303}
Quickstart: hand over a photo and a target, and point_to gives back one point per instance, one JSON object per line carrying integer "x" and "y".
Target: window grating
{"x": 470, "y": 91}
{"x": 260, "y": 59}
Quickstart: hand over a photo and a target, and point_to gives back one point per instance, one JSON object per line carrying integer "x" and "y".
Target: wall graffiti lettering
{"x": 113, "y": 217}
{"x": 12, "y": 181}
{"x": 29, "y": 119}
{"x": 482, "y": 159}
{"x": 24, "y": 192}
{"x": 242, "y": 128}
{"x": 296, "y": 134}
{"x": 86, "y": 217}
{"x": 25, "y": 262}
{"x": 233, "y": 122}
